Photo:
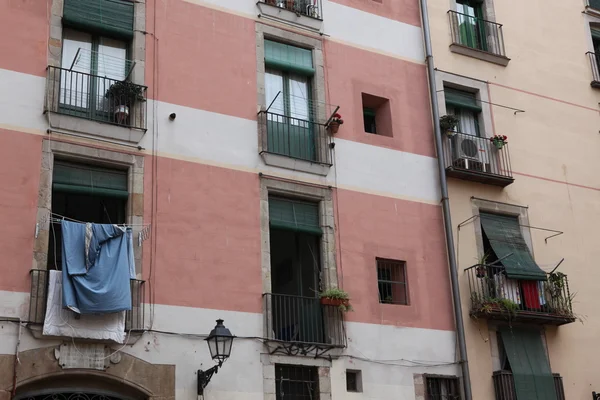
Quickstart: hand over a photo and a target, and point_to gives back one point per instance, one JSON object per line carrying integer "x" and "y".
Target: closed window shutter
{"x": 294, "y": 215}
{"x": 529, "y": 364}
{"x": 459, "y": 99}
{"x": 288, "y": 58}
{"x": 90, "y": 180}
{"x": 504, "y": 234}
{"x": 112, "y": 18}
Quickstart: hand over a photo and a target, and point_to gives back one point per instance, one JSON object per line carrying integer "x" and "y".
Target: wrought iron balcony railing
{"x": 96, "y": 98}
{"x": 309, "y": 8}
{"x": 303, "y": 320}
{"x": 595, "y": 64}
{"x": 493, "y": 296}
{"x": 477, "y": 159}
{"x": 134, "y": 318}
{"x": 504, "y": 386}
{"x": 477, "y": 33}
{"x": 297, "y": 138}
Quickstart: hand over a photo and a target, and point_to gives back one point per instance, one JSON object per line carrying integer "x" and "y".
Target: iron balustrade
{"x": 295, "y": 137}
{"x": 595, "y": 64}
{"x": 477, "y": 158}
{"x": 504, "y": 386}
{"x": 84, "y": 95}
{"x": 309, "y": 8}
{"x": 134, "y": 318}
{"x": 477, "y": 33}
{"x": 495, "y": 296}
{"x": 298, "y": 319}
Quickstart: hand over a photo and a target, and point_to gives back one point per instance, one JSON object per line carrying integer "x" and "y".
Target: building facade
{"x": 523, "y": 202}
{"x": 209, "y": 128}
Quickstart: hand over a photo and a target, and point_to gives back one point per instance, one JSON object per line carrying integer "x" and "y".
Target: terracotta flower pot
{"x": 326, "y": 301}
{"x": 334, "y": 127}
{"x": 289, "y": 4}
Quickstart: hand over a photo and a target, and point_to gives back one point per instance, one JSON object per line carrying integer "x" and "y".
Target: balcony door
{"x": 471, "y": 24}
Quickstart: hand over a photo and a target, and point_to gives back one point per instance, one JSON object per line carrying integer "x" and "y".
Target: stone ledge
{"x": 479, "y": 54}
{"x": 107, "y": 131}
{"x": 277, "y": 160}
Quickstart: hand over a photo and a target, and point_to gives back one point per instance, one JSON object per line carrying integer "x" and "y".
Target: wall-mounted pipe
{"x": 460, "y": 329}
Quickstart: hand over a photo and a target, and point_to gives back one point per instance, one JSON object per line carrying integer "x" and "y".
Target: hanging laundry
{"x": 97, "y": 265}
{"x": 507, "y": 288}
{"x": 531, "y": 294}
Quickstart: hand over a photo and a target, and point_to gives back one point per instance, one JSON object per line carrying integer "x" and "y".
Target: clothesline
{"x": 57, "y": 218}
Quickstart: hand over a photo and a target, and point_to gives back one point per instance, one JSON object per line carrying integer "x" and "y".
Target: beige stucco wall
{"x": 555, "y": 155}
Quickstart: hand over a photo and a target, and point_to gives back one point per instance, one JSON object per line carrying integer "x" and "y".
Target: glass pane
{"x": 74, "y": 81}
{"x": 111, "y": 62}
{"x": 299, "y": 100}
{"x": 274, "y": 94}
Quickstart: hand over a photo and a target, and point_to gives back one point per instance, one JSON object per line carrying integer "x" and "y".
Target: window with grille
{"x": 391, "y": 279}
{"x": 296, "y": 382}
{"x": 353, "y": 381}
{"x": 442, "y": 388}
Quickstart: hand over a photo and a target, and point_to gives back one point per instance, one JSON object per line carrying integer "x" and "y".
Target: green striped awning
{"x": 284, "y": 57}
{"x": 89, "y": 179}
{"x": 112, "y": 18}
{"x": 294, "y": 215}
{"x": 529, "y": 363}
{"x": 504, "y": 234}
{"x": 459, "y": 99}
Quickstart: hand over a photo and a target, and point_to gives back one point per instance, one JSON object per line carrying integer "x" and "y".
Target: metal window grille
{"x": 353, "y": 381}
{"x": 295, "y": 382}
{"x": 442, "y": 388}
{"x": 391, "y": 279}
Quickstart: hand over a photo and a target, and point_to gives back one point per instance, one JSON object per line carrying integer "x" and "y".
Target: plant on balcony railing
{"x": 488, "y": 304}
{"x": 336, "y": 297}
{"x": 448, "y": 124}
{"x": 123, "y": 95}
{"x": 499, "y": 141}
{"x": 334, "y": 124}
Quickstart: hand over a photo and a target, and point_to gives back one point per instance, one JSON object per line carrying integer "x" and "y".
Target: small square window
{"x": 353, "y": 380}
{"x": 391, "y": 279}
{"x": 442, "y": 388}
{"x": 377, "y": 115}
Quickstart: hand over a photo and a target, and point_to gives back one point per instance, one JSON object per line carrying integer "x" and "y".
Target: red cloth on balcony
{"x": 531, "y": 294}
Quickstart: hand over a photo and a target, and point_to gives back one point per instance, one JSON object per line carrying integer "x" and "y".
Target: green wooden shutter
{"x": 91, "y": 180}
{"x": 288, "y": 58}
{"x": 530, "y": 366}
{"x": 459, "y": 99}
{"x": 294, "y": 215}
{"x": 504, "y": 234}
{"x": 112, "y": 18}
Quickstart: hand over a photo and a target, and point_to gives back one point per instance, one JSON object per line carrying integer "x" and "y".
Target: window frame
{"x": 402, "y": 271}
{"x": 439, "y": 379}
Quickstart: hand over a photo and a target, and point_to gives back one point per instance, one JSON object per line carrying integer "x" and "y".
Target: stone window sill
{"x": 277, "y": 160}
{"x": 479, "y": 54}
{"x": 95, "y": 128}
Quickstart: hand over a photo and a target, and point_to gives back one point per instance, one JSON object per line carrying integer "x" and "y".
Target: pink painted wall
{"x": 406, "y": 11}
{"x": 18, "y": 206}
{"x": 24, "y": 32}
{"x": 206, "y": 58}
{"x": 352, "y": 71}
{"x": 373, "y": 226}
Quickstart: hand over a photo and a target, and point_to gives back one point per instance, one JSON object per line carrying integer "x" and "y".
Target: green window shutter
{"x": 88, "y": 179}
{"x": 288, "y": 58}
{"x": 294, "y": 215}
{"x": 529, "y": 363}
{"x": 504, "y": 234}
{"x": 459, "y": 99}
{"x": 112, "y": 18}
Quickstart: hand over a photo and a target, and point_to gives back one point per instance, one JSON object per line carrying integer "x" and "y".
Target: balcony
{"x": 96, "y": 98}
{"x": 308, "y": 13}
{"x": 478, "y": 38}
{"x": 504, "y": 386}
{"x": 299, "y": 323}
{"x": 495, "y": 297}
{"x": 477, "y": 159}
{"x": 134, "y": 319}
{"x": 595, "y": 64}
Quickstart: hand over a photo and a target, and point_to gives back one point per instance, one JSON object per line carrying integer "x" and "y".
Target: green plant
{"x": 338, "y": 294}
{"x": 448, "y": 122}
{"x": 125, "y": 93}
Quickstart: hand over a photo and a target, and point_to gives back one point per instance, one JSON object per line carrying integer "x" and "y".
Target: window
{"x": 471, "y": 22}
{"x": 353, "y": 381}
{"x": 465, "y": 106}
{"x": 595, "y": 55}
{"x": 85, "y": 193}
{"x": 288, "y": 78}
{"x": 442, "y": 388}
{"x": 295, "y": 382}
{"x": 377, "y": 115}
{"x": 391, "y": 279}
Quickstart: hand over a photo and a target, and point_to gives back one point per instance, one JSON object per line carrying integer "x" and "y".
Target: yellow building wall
{"x": 555, "y": 155}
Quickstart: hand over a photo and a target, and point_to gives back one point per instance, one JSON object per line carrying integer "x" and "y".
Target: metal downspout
{"x": 460, "y": 329}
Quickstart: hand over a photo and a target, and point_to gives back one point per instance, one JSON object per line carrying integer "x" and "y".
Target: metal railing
{"x": 477, "y": 155}
{"x": 504, "y": 386}
{"x": 309, "y": 8}
{"x": 477, "y": 33}
{"x": 294, "y": 137}
{"x": 493, "y": 294}
{"x": 595, "y": 64}
{"x": 97, "y": 98}
{"x": 134, "y": 318}
{"x": 298, "y": 319}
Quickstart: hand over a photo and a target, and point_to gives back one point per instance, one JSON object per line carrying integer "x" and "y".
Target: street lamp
{"x": 219, "y": 342}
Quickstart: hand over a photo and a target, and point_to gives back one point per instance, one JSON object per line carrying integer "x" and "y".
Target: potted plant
{"x": 334, "y": 124}
{"x": 499, "y": 141}
{"x": 122, "y": 96}
{"x": 289, "y": 4}
{"x": 336, "y": 297}
{"x": 448, "y": 124}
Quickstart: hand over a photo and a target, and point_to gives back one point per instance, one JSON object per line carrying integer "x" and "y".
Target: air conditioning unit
{"x": 468, "y": 153}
